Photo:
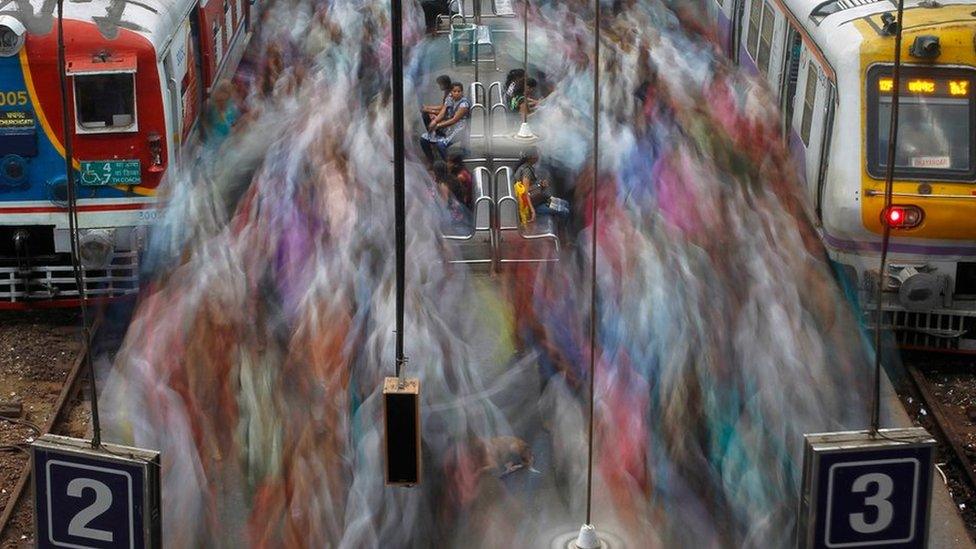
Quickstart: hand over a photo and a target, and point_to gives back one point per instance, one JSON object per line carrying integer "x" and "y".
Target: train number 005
{"x": 10, "y": 99}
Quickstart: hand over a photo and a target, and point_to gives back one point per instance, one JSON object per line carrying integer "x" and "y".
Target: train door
{"x": 174, "y": 110}
{"x": 762, "y": 39}
{"x": 738, "y": 8}
{"x": 791, "y": 73}
{"x": 193, "y": 86}
{"x": 772, "y": 46}
{"x": 183, "y": 71}
{"x": 720, "y": 12}
{"x": 810, "y": 123}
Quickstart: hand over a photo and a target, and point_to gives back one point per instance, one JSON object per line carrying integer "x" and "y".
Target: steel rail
{"x": 67, "y": 392}
{"x": 942, "y": 424}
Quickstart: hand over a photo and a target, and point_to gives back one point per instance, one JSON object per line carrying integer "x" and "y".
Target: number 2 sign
{"x": 95, "y": 498}
{"x": 864, "y": 491}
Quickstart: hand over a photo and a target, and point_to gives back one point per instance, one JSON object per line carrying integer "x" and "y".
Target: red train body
{"x": 138, "y": 75}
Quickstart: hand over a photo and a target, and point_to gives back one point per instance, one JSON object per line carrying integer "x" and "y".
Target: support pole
{"x": 525, "y": 61}
{"x": 588, "y": 538}
{"x": 399, "y": 192}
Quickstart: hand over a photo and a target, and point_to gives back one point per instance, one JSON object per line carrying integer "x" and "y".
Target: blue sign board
{"x": 864, "y": 491}
{"x": 87, "y": 498}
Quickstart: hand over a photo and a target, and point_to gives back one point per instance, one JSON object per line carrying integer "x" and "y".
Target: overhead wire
{"x": 73, "y": 227}
{"x": 886, "y": 227}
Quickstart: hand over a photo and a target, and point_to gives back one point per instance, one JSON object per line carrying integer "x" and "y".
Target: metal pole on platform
{"x": 588, "y": 538}
{"x": 525, "y": 61}
{"x": 525, "y": 134}
{"x": 399, "y": 192}
{"x": 477, "y": 26}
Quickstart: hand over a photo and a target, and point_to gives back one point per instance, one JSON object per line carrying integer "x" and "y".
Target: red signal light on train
{"x": 902, "y": 217}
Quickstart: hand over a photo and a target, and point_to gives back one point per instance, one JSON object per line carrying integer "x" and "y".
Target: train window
{"x": 105, "y": 102}
{"x": 755, "y": 15}
{"x": 809, "y": 99}
{"x": 935, "y": 123}
{"x": 765, "y": 38}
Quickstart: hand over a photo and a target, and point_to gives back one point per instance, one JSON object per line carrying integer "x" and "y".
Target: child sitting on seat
{"x": 538, "y": 190}
{"x": 428, "y": 112}
{"x": 465, "y": 181}
{"x": 522, "y": 101}
{"x": 525, "y": 209}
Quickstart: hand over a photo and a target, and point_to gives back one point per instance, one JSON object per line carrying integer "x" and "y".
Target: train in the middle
{"x": 138, "y": 74}
{"x": 830, "y": 65}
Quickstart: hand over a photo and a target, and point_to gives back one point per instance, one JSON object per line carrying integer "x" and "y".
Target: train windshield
{"x": 105, "y": 102}
{"x": 935, "y": 126}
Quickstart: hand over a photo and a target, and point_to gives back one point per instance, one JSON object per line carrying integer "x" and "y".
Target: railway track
{"x": 55, "y": 414}
{"x": 956, "y": 438}
{"x": 945, "y": 387}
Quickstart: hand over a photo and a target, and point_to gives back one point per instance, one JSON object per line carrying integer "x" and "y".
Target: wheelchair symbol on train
{"x": 100, "y": 176}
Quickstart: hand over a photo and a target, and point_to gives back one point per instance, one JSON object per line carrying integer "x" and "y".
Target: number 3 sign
{"x": 95, "y": 498}
{"x": 863, "y": 491}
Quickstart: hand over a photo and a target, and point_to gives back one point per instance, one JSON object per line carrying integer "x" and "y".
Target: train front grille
{"x": 56, "y": 280}
{"x": 929, "y": 330}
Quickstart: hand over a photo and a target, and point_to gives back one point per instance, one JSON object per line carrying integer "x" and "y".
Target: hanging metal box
{"x": 401, "y": 412}
{"x": 861, "y": 490}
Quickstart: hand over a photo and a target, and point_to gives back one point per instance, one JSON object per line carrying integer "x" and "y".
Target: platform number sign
{"x": 864, "y": 491}
{"x": 85, "y": 498}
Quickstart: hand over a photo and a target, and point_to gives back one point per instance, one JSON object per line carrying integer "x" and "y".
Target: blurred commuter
{"x": 433, "y": 9}
{"x": 274, "y": 65}
{"x": 222, "y": 112}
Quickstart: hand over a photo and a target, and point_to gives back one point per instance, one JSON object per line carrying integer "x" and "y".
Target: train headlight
{"x": 95, "y": 248}
{"x": 57, "y": 191}
{"x": 925, "y": 46}
{"x": 12, "y": 35}
{"x": 13, "y": 171}
{"x": 902, "y": 217}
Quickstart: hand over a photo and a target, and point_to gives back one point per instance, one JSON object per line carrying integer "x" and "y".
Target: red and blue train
{"x": 138, "y": 74}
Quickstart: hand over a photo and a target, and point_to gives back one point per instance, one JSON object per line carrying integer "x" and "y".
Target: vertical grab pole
{"x": 525, "y": 61}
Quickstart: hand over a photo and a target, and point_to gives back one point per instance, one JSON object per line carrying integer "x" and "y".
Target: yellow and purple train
{"x": 829, "y": 62}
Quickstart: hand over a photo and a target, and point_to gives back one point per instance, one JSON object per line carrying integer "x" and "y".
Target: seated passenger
{"x": 453, "y": 214}
{"x": 464, "y": 179}
{"x": 526, "y": 212}
{"x": 522, "y": 100}
{"x": 453, "y": 119}
{"x": 428, "y": 112}
{"x": 537, "y": 189}
{"x": 512, "y": 80}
